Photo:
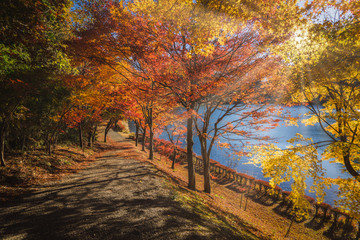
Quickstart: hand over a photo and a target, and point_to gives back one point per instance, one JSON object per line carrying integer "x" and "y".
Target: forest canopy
{"x": 67, "y": 66}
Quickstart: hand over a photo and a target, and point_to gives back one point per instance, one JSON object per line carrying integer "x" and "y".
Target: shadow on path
{"x": 114, "y": 198}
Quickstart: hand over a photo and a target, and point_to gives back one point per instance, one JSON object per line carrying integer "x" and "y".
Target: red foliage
{"x": 310, "y": 199}
{"x": 324, "y": 205}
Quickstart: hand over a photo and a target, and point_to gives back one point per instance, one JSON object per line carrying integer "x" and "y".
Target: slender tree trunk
{"x": 81, "y": 143}
{"x": 288, "y": 230}
{"x": 90, "y": 143}
{"x": 174, "y": 158}
{"x": 2, "y": 143}
{"x": 55, "y": 141}
{"x": 346, "y": 152}
{"x": 189, "y": 148}
{"x": 51, "y": 140}
{"x": 49, "y": 145}
{"x": 136, "y": 133}
{"x": 151, "y": 143}
{"x": 151, "y": 130}
{"x": 206, "y": 161}
{"x": 107, "y": 129}
{"x": 143, "y": 140}
{"x": 93, "y": 136}
{"x": 205, "y": 157}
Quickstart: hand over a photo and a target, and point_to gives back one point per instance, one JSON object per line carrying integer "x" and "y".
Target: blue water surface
{"x": 281, "y": 134}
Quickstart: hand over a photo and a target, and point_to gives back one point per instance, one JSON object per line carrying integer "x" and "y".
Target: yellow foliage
{"x": 349, "y": 193}
{"x": 189, "y": 18}
{"x": 294, "y": 164}
{"x": 324, "y": 70}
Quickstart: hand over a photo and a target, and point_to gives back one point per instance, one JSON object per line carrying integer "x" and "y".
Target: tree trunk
{"x": 143, "y": 140}
{"x": 349, "y": 167}
{"x": 2, "y": 143}
{"x": 288, "y": 230}
{"x": 107, "y": 129}
{"x": 189, "y": 148}
{"x": 207, "y": 183}
{"x": 81, "y": 143}
{"x": 206, "y": 161}
{"x": 151, "y": 143}
{"x": 174, "y": 158}
{"x": 136, "y": 133}
{"x": 55, "y": 141}
{"x": 93, "y": 134}
{"x": 53, "y": 137}
{"x": 48, "y": 143}
{"x": 151, "y": 130}
{"x": 90, "y": 143}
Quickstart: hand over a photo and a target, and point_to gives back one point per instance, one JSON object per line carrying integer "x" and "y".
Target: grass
{"x": 196, "y": 204}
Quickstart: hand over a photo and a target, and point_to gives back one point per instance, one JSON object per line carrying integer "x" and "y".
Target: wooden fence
{"x": 246, "y": 183}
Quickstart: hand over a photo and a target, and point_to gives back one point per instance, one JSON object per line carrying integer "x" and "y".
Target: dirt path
{"x": 114, "y": 198}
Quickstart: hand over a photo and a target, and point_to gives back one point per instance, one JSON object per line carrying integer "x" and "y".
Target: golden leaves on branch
{"x": 295, "y": 164}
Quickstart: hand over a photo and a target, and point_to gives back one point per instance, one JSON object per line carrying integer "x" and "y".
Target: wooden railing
{"x": 246, "y": 183}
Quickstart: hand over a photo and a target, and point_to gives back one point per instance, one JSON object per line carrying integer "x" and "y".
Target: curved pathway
{"x": 114, "y": 198}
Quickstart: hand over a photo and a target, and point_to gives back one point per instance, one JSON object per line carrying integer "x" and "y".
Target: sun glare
{"x": 300, "y": 38}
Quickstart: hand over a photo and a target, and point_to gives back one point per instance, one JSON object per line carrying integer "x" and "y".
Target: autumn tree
{"x": 96, "y": 95}
{"x": 231, "y": 116}
{"x": 172, "y": 124}
{"x": 122, "y": 42}
{"x": 161, "y": 43}
{"x": 101, "y": 85}
{"x": 149, "y": 97}
{"x": 186, "y": 34}
{"x": 32, "y": 56}
{"x": 219, "y": 73}
{"x": 195, "y": 51}
{"x": 322, "y": 58}
{"x": 176, "y": 47}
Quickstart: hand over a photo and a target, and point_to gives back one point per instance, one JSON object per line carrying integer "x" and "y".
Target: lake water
{"x": 281, "y": 133}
